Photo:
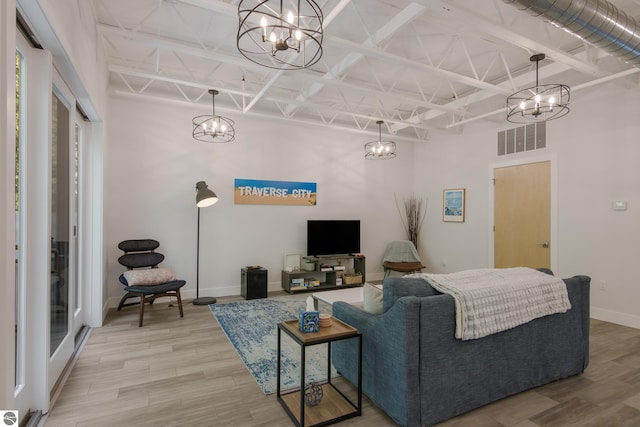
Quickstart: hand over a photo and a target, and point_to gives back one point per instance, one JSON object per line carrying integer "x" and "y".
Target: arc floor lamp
{"x": 204, "y": 197}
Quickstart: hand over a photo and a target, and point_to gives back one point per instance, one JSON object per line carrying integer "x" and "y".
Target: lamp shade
{"x": 204, "y": 196}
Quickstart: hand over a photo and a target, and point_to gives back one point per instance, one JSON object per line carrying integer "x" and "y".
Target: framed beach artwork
{"x": 453, "y": 205}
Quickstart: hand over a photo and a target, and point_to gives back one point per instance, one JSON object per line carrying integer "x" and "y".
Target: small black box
{"x": 253, "y": 282}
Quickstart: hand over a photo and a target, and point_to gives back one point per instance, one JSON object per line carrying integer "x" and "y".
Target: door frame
{"x": 552, "y": 158}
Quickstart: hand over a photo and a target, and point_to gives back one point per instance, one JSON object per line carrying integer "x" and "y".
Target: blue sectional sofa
{"x": 420, "y": 374}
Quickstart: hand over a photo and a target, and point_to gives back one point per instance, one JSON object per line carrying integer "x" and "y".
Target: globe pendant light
{"x": 213, "y": 128}
{"x": 540, "y": 102}
{"x": 280, "y": 37}
{"x": 380, "y": 150}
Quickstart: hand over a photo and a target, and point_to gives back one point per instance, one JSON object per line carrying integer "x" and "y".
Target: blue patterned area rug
{"x": 251, "y": 326}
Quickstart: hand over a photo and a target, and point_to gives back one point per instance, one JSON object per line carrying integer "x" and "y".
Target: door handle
{"x": 544, "y": 244}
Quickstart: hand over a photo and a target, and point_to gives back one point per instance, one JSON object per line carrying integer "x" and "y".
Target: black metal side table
{"x": 335, "y": 406}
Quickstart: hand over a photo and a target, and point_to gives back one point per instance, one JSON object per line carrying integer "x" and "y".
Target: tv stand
{"x": 326, "y": 277}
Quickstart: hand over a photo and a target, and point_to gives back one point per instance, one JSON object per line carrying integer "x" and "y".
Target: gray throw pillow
{"x": 372, "y": 299}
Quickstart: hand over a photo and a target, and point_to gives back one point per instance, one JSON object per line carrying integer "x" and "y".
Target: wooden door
{"x": 522, "y": 200}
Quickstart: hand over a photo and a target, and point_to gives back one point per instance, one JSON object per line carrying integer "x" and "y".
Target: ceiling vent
{"x": 524, "y": 138}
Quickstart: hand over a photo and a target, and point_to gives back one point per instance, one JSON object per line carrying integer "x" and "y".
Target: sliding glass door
{"x": 65, "y": 307}
{"x": 47, "y": 229}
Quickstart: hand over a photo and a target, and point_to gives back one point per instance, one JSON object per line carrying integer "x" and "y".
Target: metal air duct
{"x": 598, "y": 22}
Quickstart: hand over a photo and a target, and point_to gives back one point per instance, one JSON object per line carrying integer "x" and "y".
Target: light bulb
{"x": 215, "y": 125}
{"x": 387, "y": 148}
{"x": 552, "y": 101}
{"x": 204, "y": 126}
{"x": 272, "y": 37}
{"x": 290, "y": 17}
{"x": 298, "y": 35}
{"x": 537, "y": 98}
{"x": 263, "y": 23}
{"x": 224, "y": 128}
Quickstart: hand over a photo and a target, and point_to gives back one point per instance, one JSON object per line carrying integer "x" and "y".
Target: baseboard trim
{"x": 616, "y": 317}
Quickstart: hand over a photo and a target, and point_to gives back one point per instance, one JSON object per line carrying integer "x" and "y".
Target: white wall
{"x": 77, "y": 50}
{"x": 597, "y": 151}
{"x": 153, "y": 164}
{"x": 66, "y": 29}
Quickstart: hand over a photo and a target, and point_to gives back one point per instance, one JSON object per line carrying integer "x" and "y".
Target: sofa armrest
{"x": 390, "y": 348}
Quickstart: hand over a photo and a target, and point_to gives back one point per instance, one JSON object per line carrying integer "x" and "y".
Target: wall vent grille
{"x": 523, "y": 138}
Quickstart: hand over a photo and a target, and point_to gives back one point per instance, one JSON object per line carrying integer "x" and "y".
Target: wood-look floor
{"x": 185, "y": 372}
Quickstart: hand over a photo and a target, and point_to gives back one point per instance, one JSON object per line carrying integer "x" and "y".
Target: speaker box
{"x": 253, "y": 282}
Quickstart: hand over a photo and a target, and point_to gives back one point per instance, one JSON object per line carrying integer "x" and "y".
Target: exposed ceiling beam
{"x": 224, "y": 90}
{"x": 341, "y": 127}
{"x": 401, "y": 19}
{"x": 154, "y": 41}
{"x": 213, "y": 6}
{"x": 402, "y": 61}
{"x": 370, "y": 51}
{"x": 464, "y": 16}
{"x": 468, "y": 17}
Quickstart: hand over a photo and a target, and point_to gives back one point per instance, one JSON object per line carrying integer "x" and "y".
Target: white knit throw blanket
{"x": 493, "y": 300}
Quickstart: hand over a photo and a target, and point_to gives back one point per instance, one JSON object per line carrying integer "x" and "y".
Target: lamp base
{"x": 204, "y": 301}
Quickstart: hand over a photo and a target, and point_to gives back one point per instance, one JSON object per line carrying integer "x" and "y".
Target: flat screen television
{"x": 333, "y": 237}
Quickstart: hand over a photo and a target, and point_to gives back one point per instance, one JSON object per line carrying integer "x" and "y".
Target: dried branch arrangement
{"x": 415, "y": 209}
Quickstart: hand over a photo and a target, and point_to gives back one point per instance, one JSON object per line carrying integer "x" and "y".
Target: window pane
{"x": 59, "y": 223}
{"x": 19, "y": 286}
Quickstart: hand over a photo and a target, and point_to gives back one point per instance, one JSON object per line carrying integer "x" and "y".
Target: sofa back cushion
{"x": 398, "y": 287}
{"x": 457, "y": 376}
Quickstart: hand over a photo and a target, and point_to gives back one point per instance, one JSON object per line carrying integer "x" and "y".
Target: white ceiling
{"x": 418, "y": 65}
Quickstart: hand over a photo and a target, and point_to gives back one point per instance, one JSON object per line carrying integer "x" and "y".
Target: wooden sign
{"x": 259, "y": 192}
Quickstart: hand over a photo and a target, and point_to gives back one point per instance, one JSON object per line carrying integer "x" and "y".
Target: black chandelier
{"x": 213, "y": 128}
{"x": 379, "y": 150}
{"x": 275, "y": 36}
{"x": 538, "y": 103}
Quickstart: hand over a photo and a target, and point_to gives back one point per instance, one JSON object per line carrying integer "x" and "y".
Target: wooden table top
{"x": 337, "y": 330}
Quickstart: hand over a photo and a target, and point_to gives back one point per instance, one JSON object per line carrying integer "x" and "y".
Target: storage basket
{"x": 351, "y": 278}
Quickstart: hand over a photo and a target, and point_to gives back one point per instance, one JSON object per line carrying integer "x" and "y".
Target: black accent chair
{"x": 140, "y": 255}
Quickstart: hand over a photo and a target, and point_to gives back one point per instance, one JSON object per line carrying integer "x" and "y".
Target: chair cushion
{"x": 150, "y": 276}
{"x": 138, "y": 245}
{"x": 141, "y": 259}
{"x": 406, "y": 267}
{"x": 401, "y": 251}
{"x": 156, "y": 289}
